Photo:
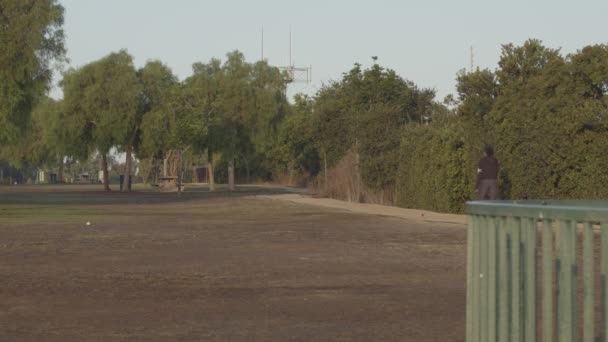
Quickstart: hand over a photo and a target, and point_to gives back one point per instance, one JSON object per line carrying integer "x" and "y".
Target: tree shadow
{"x": 24, "y": 195}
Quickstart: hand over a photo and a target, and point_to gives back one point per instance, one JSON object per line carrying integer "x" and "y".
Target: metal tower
{"x": 295, "y": 74}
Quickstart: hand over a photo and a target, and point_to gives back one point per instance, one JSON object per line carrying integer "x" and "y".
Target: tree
{"x": 32, "y": 39}
{"x": 101, "y": 101}
{"x": 202, "y": 90}
{"x": 236, "y": 107}
{"x": 155, "y": 121}
{"x": 295, "y": 151}
{"x": 240, "y": 106}
{"x": 365, "y": 113}
{"x": 34, "y": 148}
{"x": 545, "y": 114}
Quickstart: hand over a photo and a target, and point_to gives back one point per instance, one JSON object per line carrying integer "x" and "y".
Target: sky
{"x": 426, "y": 41}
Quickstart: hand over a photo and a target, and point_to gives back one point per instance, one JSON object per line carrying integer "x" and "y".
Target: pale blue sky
{"x": 424, "y": 41}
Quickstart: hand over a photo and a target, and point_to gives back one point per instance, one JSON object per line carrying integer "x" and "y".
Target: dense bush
{"x": 546, "y": 116}
{"x": 432, "y": 170}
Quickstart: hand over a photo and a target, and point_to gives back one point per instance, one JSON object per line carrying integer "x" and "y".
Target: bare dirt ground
{"x": 221, "y": 267}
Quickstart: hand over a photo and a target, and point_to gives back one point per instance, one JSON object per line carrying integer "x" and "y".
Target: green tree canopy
{"x": 101, "y": 103}
{"x": 32, "y": 39}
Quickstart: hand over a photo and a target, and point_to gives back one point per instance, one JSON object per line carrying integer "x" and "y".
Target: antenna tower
{"x": 295, "y": 74}
{"x": 472, "y": 56}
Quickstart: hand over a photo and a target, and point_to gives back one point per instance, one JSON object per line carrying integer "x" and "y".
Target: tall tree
{"x": 32, "y": 39}
{"x": 203, "y": 97}
{"x": 236, "y": 107}
{"x": 365, "y": 113}
{"x": 294, "y": 150}
{"x": 101, "y": 100}
{"x": 156, "y": 119}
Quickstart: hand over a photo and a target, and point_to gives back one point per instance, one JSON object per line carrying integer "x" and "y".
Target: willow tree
{"x": 34, "y": 148}
{"x": 101, "y": 100}
{"x": 203, "y": 94}
{"x": 32, "y": 40}
{"x": 364, "y": 113}
{"x": 156, "y": 118}
{"x": 236, "y": 107}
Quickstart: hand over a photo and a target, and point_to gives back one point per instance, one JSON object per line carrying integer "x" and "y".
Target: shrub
{"x": 432, "y": 168}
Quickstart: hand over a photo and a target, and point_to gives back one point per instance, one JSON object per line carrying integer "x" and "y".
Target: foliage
{"x": 101, "y": 101}
{"x": 32, "y": 39}
{"x": 365, "y": 113}
{"x": 156, "y": 121}
{"x": 431, "y": 173}
{"x": 550, "y": 123}
{"x": 295, "y": 153}
{"x": 379, "y": 135}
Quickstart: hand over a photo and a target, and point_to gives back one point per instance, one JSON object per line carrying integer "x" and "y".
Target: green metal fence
{"x": 524, "y": 253}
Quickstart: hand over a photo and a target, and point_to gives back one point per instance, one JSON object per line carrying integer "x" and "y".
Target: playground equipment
{"x": 502, "y": 270}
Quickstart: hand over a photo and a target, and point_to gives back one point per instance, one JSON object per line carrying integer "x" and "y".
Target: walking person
{"x": 487, "y": 175}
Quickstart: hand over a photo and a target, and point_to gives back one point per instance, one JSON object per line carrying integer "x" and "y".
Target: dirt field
{"x": 221, "y": 267}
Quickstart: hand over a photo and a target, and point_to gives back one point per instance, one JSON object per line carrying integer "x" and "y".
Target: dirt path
{"x": 414, "y": 215}
{"x": 222, "y": 268}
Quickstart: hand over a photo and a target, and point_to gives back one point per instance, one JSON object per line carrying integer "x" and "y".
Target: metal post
{"x": 604, "y": 279}
{"x": 588, "y": 293}
{"x": 503, "y": 282}
{"x": 475, "y": 279}
{"x": 470, "y": 308}
{"x": 483, "y": 278}
{"x": 492, "y": 226}
{"x": 547, "y": 255}
{"x": 516, "y": 316}
{"x": 566, "y": 289}
{"x": 530, "y": 279}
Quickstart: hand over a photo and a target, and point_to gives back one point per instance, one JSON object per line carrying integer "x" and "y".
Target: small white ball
{"x": 88, "y": 223}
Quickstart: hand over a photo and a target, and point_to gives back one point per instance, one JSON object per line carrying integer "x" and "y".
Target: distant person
{"x": 487, "y": 175}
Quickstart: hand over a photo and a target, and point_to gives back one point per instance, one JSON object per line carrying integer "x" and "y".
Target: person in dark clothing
{"x": 487, "y": 175}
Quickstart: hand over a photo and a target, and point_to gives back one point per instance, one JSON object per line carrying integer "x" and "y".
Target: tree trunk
{"x": 128, "y": 167}
{"x": 325, "y": 168}
{"x": 247, "y": 169}
{"x": 358, "y": 179}
{"x": 156, "y": 171}
{"x": 106, "y": 176}
{"x": 60, "y": 171}
{"x": 290, "y": 170}
{"x": 231, "y": 174}
{"x": 179, "y": 173}
{"x": 210, "y": 169}
{"x": 165, "y": 160}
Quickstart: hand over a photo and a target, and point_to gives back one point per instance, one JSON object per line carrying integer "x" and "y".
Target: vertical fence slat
{"x": 516, "y": 315}
{"x": 604, "y": 279}
{"x": 470, "y": 308}
{"x": 492, "y": 226}
{"x": 588, "y": 293}
{"x": 483, "y": 277}
{"x": 573, "y": 271}
{"x": 475, "y": 280}
{"x": 530, "y": 285}
{"x": 547, "y": 256}
{"x": 503, "y": 283}
{"x": 566, "y": 286}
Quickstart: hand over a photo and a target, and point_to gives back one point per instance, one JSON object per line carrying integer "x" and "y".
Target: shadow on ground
{"x": 94, "y": 194}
